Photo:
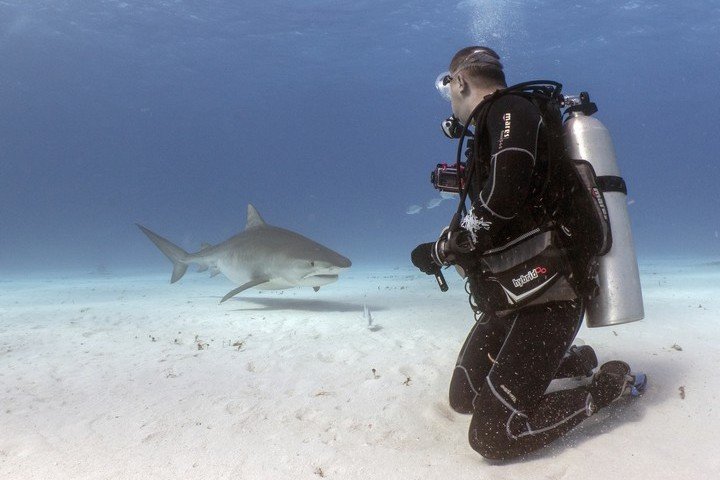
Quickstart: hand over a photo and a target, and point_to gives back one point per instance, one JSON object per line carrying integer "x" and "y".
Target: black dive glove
{"x": 453, "y": 247}
{"x": 422, "y": 259}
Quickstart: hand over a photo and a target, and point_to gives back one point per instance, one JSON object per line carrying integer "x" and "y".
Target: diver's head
{"x": 475, "y": 72}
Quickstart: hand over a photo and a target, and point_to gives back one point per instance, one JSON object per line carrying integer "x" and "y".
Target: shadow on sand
{"x": 274, "y": 303}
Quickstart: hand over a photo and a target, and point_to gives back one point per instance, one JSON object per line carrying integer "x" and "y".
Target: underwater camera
{"x": 446, "y": 179}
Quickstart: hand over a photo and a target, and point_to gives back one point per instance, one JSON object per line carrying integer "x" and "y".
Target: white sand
{"x": 102, "y": 377}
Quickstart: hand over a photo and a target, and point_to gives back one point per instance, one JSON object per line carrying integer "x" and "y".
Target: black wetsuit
{"x": 507, "y": 363}
{"x": 506, "y": 181}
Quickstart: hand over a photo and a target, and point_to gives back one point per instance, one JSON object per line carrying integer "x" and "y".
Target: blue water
{"x": 322, "y": 113}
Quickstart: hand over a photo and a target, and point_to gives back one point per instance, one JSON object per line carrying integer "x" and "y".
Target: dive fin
{"x": 244, "y": 286}
{"x": 176, "y": 254}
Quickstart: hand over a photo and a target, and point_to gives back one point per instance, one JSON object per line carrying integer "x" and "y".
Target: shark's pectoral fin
{"x": 202, "y": 268}
{"x": 214, "y": 272}
{"x": 316, "y": 288}
{"x": 244, "y": 286}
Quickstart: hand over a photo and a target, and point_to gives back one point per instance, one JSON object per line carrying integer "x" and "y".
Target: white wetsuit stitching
{"x": 493, "y": 161}
{"x": 545, "y": 429}
{"x": 472, "y": 387}
{"x": 502, "y": 400}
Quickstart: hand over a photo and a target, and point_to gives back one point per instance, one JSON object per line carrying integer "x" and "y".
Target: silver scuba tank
{"x": 620, "y": 297}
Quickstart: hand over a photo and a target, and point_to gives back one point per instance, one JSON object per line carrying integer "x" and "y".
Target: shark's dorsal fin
{"x": 253, "y": 218}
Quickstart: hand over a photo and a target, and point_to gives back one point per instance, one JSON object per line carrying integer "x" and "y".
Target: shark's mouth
{"x": 317, "y": 280}
{"x": 323, "y": 277}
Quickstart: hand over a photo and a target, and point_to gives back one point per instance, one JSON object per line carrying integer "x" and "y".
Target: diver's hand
{"x": 452, "y": 246}
{"x": 422, "y": 259}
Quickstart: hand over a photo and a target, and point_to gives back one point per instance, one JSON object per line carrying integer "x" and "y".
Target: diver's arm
{"x": 513, "y": 125}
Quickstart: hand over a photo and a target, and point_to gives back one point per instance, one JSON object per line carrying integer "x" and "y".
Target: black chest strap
{"x": 611, "y": 183}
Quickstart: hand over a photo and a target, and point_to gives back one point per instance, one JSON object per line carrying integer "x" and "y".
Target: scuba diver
{"x": 531, "y": 249}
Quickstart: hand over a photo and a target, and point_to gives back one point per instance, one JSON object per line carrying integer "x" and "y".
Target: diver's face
{"x": 457, "y": 90}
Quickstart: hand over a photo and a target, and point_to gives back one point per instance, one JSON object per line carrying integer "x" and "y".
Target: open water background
{"x": 322, "y": 113}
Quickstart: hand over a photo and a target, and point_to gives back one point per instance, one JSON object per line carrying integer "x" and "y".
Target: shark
{"x": 262, "y": 256}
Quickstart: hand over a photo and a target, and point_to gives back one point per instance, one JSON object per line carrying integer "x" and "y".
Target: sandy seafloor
{"x": 102, "y": 377}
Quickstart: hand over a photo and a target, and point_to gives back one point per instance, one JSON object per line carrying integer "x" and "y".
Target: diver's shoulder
{"x": 510, "y": 100}
{"x": 513, "y": 104}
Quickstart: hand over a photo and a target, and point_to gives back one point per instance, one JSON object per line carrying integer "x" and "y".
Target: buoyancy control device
{"x": 589, "y": 202}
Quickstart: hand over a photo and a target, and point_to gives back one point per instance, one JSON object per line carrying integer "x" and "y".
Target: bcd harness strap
{"x": 611, "y": 183}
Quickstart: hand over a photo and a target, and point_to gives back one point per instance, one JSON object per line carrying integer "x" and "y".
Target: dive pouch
{"x": 531, "y": 270}
{"x": 582, "y": 215}
{"x": 582, "y": 212}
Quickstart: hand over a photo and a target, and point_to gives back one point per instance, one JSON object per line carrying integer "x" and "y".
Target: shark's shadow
{"x": 301, "y": 304}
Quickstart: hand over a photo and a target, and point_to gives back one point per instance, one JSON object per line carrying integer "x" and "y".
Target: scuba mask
{"x": 481, "y": 58}
{"x": 442, "y": 84}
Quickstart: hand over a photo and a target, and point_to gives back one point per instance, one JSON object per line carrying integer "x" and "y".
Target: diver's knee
{"x": 489, "y": 434}
{"x": 489, "y": 438}
{"x": 461, "y": 395}
{"x": 460, "y": 404}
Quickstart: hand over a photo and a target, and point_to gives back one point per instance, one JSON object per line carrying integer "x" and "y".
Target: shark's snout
{"x": 343, "y": 262}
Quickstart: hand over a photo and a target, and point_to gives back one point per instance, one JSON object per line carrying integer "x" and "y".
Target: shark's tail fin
{"x": 176, "y": 254}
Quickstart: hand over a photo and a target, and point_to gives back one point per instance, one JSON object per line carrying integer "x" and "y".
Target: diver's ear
{"x": 463, "y": 85}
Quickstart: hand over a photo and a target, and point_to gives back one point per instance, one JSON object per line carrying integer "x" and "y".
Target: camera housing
{"x": 446, "y": 179}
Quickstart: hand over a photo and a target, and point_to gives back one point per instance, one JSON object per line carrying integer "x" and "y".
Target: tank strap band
{"x": 610, "y": 183}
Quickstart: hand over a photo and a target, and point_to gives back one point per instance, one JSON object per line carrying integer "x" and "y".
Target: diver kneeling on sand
{"x": 537, "y": 252}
